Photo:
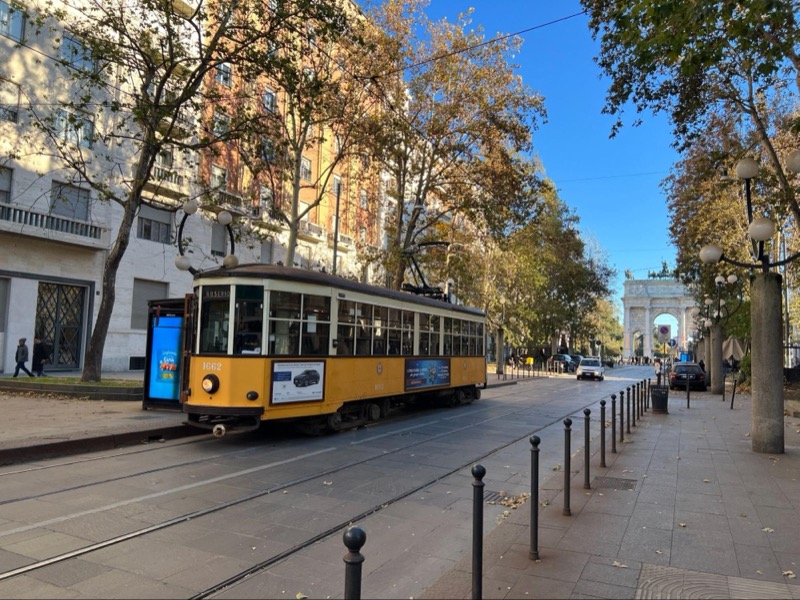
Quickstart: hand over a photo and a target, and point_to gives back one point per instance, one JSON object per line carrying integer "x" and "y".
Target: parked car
{"x": 564, "y": 361}
{"x": 576, "y": 359}
{"x": 683, "y": 372}
{"x": 307, "y": 377}
{"x": 590, "y": 367}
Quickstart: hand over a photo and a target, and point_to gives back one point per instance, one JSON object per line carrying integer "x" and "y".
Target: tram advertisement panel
{"x": 297, "y": 381}
{"x": 427, "y": 372}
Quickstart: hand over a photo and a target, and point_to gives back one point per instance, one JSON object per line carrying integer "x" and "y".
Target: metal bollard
{"x": 614, "y": 423}
{"x": 603, "y": 434}
{"x": 567, "y": 435}
{"x": 688, "y": 387}
{"x": 622, "y": 416}
{"x": 534, "y": 551}
{"x": 478, "y": 472}
{"x": 639, "y": 399}
{"x": 586, "y": 450}
{"x": 733, "y": 393}
{"x": 724, "y": 377}
{"x": 354, "y": 538}
{"x": 628, "y": 410}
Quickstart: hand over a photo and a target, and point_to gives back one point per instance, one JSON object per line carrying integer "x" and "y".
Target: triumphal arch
{"x": 646, "y": 299}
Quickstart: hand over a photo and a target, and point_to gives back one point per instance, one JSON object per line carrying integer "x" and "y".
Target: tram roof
{"x": 262, "y": 271}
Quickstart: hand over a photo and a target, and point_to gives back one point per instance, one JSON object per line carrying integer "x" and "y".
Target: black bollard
{"x": 687, "y": 391}
{"x": 622, "y": 416}
{"x": 724, "y": 377}
{"x": 628, "y": 410}
{"x": 586, "y": 450}
{"x": 354, "y": 538}
{"x": 647, "y": 395}
{"x": 478, "y": 472}
{"x": 733, "y": 393}
{"x": 614, "y": 423}
{"x": 534, "y": 552}
{"x": 603, "y": 433}
{"x": 567, "y": 434}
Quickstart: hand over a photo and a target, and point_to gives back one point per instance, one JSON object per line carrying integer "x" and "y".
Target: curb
{"x": 14, "y": 455}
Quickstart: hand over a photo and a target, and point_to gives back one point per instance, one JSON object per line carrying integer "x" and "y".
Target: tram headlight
{"x": 210, "y": 383}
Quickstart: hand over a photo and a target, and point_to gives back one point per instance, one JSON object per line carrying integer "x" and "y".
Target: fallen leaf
{"x": 557, "y": 468}
{"x": 760, "y": 572}
{"x": 706, "y": 481}
{"x": 300, "y": 596}
{"x": 659, "y": 552}
{"x": 768, "y": 529}
{"x": 327, "y": 483}
{"x": 682, "y": 524}
{"x": 619, "y": 565}
{"x": 747, "y": 434}
{"x": 789, "y": 574}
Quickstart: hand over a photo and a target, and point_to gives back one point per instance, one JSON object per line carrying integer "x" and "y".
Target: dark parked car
{"x": 561, "y": 360}
{"x": 576, "y": 360}
{"x": 681, "y": 372}
{"x": 307, "y": 377}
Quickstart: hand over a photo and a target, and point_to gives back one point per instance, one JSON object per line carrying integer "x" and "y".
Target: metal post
{"x": 687, "y": 391}
{"x": 586, "y": 450}
{"x": 622, "y": 416}
{"x": 724, "y": 377}
{"x": 336, "y": 227}
{"x": 614, "y": 423}
{"x": 603, "y": 434}
{"x": 478, "y": 472}
{"x": 567, "y": 433}
{"x": 534, "y": 551}
{"x": 647, "y": 397}
{"x": 733, "y": 393}
{"x": 354, "y": 538}
{"x": 628, "y": 409}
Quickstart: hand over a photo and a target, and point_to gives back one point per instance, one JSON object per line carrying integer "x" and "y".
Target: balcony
{"x": 25, "y": 221}
{"x": 169, "y": 182}
{"x": 345, "y": 242}
{"x": 270, "y": 217}
{"x": 185, "y": 8}
{"x": 306, "y": 230}
{"x": 185, "y": 124}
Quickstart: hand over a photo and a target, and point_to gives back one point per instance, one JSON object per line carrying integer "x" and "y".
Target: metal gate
{"x": 60, "y": 323}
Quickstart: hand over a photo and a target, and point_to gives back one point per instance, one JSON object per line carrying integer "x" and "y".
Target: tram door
{"x": 163, "y": 368}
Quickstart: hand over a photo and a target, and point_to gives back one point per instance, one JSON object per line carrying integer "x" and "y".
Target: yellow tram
{"x": 268, "y": 342}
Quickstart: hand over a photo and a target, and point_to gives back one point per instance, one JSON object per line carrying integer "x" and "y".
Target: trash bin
{"x": 659, "y": 396}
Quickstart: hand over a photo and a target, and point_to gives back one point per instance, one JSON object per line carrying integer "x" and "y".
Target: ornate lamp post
{"x": 224, "y": 218}
{"x": 765, "y": 318}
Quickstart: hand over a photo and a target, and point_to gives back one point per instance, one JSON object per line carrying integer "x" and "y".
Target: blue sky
{"x": 611, "y": 184}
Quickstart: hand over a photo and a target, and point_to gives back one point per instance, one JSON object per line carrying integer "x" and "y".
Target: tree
{"x": 456, "y": 129}
{"x": 139, "y": 73}
{"x": 692, "y": 58}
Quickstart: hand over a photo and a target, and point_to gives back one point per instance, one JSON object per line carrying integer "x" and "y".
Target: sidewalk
{"x": 684, "y": 510}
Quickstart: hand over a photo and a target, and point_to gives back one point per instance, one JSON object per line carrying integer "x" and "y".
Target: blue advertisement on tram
{"x": 427, "y": 372}
{"x": 165, "y": 353}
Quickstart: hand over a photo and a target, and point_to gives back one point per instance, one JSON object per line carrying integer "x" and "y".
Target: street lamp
{"x": 224, "y": 218}
{"x": 713, "y": 321}
{"x": 765, "y": 318}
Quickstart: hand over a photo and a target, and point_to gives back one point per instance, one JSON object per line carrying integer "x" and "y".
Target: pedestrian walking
{"x": 22, "y": 357}
{"x": 658, "y": 370}
{"x": 39, "y": 356}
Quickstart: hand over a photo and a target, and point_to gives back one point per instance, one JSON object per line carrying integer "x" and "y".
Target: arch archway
{"x": 646, "y": 299}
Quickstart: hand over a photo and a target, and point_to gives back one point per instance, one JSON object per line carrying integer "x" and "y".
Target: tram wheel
{"x": 334, "y": 421}
{"x": 373, "y": 412}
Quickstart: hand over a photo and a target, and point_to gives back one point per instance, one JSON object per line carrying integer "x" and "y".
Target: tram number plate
{"x": 212, "y": 366}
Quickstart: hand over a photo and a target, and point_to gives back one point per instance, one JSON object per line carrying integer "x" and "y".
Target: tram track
{"x": 328, "y": 531}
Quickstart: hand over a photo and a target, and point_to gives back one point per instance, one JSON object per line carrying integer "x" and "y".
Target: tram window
{"x": 248, "y": 319}
{"x": 448, "y": 325}
{"x": 379, "y": 341}
{"x": 424, "y": 345}
{"x": 394, "y": 341}
{"x": 394, "y": 318}
{"x": 318, "y": 307}
{"x": 315, "y": 338}
{"x": 215, "y": 314}
{"x": 283, "y": 337}
{"x": 284, "y": 305}
{"x": 364, "y": 314}
{"x": 408, "y": 342}
{"x": 423, "y": 322}
{"x": 435, "y": 323}
{"x": 345, "y": 340}
{"x": 347, "y": 311}
{"x": 363, "y": 340}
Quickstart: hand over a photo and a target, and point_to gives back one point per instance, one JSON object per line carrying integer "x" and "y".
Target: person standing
{"x": 22, "y": 357}
{"x": 657, "y": 367}
{"x": 39, "y": 356}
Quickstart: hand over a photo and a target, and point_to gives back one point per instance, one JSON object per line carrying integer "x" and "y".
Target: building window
{"x": 69, "y": 201}
{"x": 266, "y": 197}
{"x": 143, "y": 292}
{"x": 219, "y": 239}
{"x": 154, "y": 225}
{"x": 268, "y": 151}
{"x": 337, "y": 186}
{"x": 12, "y": 22}
{"x": 75, "y": 54}
{"x": 305, "y": 169}
{"x": 75, "y": 128}
{"x": 221, "y": 124}
{"x": 362, "y": 199}
{"x": 224, "y": 74}
{"x": 5, "y": 185}
{"x": 362, "y": 235}
{"x": 270, "y": 101}
{"x": 219, "y": 177}
{"x": 9, "y": 101}
{"x": 337, "y": 144}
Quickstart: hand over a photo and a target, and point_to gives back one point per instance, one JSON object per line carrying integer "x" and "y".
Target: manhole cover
{"x": 614, "y": 483}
